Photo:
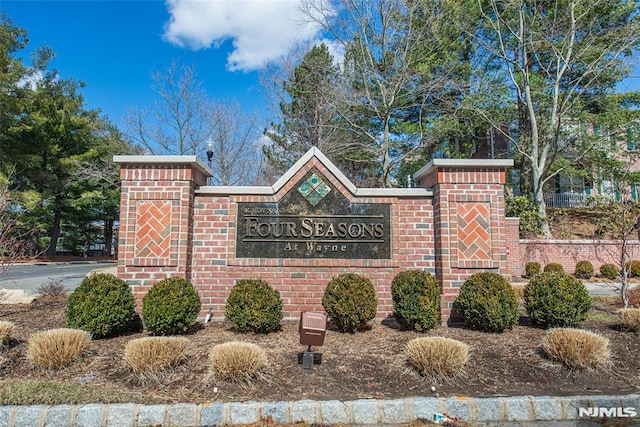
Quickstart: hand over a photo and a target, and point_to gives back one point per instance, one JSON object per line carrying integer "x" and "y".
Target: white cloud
{"x": 31, "y": 80}
{"x": 260, "y": 30}
{"x": 336, "y": 50}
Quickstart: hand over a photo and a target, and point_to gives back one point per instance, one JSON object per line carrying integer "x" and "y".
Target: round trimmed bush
{"x": 170, "y": 307}
{"x": 553, "y": 267}
{"x": 350, "y": 301}
{"x": 609, "y": 271}
{"x": 556, "y": 300}
{"x": 416, "y": 300}
{"x": 102, "y": 304}
{"x": 584, "y": 270}
{"x": 487, "y": 302}
{"x": 532, "y": 268}
{"x": 633, "y": 268}
{"x": 254, "y": 306}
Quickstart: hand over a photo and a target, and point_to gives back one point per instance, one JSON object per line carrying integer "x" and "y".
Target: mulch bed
{"x": 367, "y": 364}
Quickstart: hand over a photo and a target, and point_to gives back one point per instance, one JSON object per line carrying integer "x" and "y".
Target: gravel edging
{"x": 356, "y": 412}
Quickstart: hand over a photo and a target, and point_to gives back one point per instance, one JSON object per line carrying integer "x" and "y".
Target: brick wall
{"x": 174, "y": 225}
{"x": 567, "y": 253}
{"x": 469, "y": 214}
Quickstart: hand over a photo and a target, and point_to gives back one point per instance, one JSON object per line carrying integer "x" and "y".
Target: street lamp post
{"x": 209, "y": 154}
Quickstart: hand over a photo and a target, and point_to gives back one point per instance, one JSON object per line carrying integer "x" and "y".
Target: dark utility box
{"x": 312, "y": 328}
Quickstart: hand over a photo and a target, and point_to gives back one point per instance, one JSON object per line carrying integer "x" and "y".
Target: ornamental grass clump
{"x": 437, "y": 356}
{"x": 237, "y": 362}
{"x": 102, "y": 305}
{"x": 416, "y": 300}
{"x": 170, "y": 307}
{"x": 6, "y": 332}
{"x": 254, "y": 306}
{"x": 633, "y": 297}
{"x": 556, "y": 300}
{"x": 350, "y": 301}
{"x": 487, "y": 302}
{"x": 577, "y": 348}
{"x": 630, "y": 319}
{"x": 57, "y": 348}
{"x": 155, "y": 354}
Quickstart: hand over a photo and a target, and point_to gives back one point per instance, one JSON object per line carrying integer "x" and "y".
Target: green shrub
{"x": 584, "y": 270}
{"x": 416, "y": 300}
{"x": 102, "y": 304}
{"x": 532, "y": 268}
{"x": 254, "y": 306}
{"x": 553, "y": 267}
{"x": 633, "y": 268}
{"x": 523, "y": 208}
{"x": 487, "y": 302}
{"x": 556, "y": 300}
{"x": 350, "y": 301}
{"x": 609, "y": 271}
{"x": 170, "y": 307}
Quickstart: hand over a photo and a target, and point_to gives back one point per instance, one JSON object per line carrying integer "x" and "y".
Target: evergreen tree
{"x": 308, "y": 117}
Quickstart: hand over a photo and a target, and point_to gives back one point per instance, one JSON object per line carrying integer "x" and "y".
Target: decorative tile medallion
{"x": 314, "y": 189}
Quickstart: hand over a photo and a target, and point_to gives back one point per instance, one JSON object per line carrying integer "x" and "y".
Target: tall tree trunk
{"x": 55, "y": 229}
{"x": 538, "y": 196}
{"x": 108, "y": 236}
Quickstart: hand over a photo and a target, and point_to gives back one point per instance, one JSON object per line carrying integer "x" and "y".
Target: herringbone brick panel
{"x": 153, "y": 229}
{"x": 474, "y": 232}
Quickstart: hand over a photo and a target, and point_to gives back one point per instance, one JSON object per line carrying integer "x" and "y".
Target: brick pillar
{"x": 156, "y": 217}
{"x": 469, "y": 216}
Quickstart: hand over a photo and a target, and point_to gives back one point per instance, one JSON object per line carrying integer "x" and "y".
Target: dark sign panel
{"x": 313, "y": 220}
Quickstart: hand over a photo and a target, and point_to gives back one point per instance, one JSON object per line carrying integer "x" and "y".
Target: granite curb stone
{"x": 28, "y": 416}
{"x": 90, "y": 416}
{"x": 121, "y": 415}
{"x": 496, "y": 411}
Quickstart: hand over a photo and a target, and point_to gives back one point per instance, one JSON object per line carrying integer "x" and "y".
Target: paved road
{"x": 31, "y": 276}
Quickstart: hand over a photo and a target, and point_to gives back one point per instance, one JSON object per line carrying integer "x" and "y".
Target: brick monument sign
{"x": 310, "y": 226}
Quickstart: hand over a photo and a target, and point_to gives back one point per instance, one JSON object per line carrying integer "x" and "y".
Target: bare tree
{"x": 177, "y": 122}
{"x": 236, "y": 150}
{"x": 621, "y": 218}
{"x": 15, "y": 238}
{"x": 383, "y": 47}
{"x": 556, "y": 56}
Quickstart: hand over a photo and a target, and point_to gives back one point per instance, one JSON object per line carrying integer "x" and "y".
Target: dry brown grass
{"x": 437, "y": 355}
{"x": 56, "y": 348}
{"x": 6, "y": 332}
{"x": 630, "y": 318}
{"x": 155, "y": 354}
{"x": 577, "y": 348}
{"x": 237, "y": 361}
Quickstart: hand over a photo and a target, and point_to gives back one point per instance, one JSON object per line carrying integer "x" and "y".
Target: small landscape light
{"x": 312, "y": 329}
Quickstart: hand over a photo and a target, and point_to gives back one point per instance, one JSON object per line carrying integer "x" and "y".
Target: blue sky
{"x": 114, "y": 46}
